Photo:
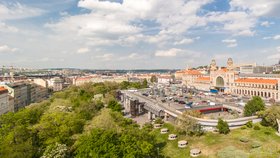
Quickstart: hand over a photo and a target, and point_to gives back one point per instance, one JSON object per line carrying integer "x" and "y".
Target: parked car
{"x": 182, "y": 102}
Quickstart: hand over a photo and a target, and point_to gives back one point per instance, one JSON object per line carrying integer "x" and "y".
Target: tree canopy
{"x": 270, "y": 115}
{"x": 223, "y": 127}
{"x": 253, "y": 106}
{"x": 73, "y": 123}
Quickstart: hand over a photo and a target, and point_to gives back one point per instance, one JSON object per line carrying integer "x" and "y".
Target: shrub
{"x": 158, "y": 121}
{"x": 249, "y": 124}
{"x": 223, "y": 127}
{"x": 147, "y": 127}
{"x": 244, "y": 139}
{"x": 243, "y": 127}
{"x": 267, "y": 133}
{"x": 255, "y": 145}
{"x": 257, "y": 127}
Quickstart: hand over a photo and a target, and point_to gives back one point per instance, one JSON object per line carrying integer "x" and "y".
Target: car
{"x": 145, "y": 94}
{"x": 182, "y": 102}
{"x": 203, "y": 101}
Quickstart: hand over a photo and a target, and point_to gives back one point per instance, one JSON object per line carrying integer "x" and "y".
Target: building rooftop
{"x": 190, "y": 72}
{"x": 3, "y": 90}
{"x": 203, "y": 78}
{"x": 257, "y": 80}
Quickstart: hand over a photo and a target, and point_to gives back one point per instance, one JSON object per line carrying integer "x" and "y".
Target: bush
{"x": 56, "y": 150}
{"x": 257, "y": 127}
{"x": 267, "y": 133}
{"x": 256, "y": 145}
{"x": 243, "y": 127}
{"x": 147, "y": 127}
{"x": 244, "y": 139}
{"x": 223, "y": 127}
{"x": 158, "y": 121}
{"x": 249, "y": 124}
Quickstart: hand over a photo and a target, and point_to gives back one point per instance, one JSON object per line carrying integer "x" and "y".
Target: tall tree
{"x": 253, "y": 106}
{"x": 223, "y": 127}
{"x": 270, "y": 115}
{"x": 188, "y": 125}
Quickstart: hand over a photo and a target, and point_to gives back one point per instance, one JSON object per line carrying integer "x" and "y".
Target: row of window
{"x": 257, "y": 86}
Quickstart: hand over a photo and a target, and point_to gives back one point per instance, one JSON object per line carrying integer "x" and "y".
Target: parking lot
{"x": 182, "y": 99}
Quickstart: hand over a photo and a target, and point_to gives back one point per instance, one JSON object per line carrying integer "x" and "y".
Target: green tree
{"x": 124, "y": 85}
{"x": 253, "y": 106}
{"x": 56, "y": 151}
{"x": 114, "y": 105}
{"x": 270, "y": 115}
{"x": 59, "y": 127}
{"x": 187, "y": 124}
{"x": 145, "y": 83}
{"x": 110, "y": 144}
{"x": 17, "y": 143}
{"x": 99, "y": 143}
{"x": 223, "y": 127}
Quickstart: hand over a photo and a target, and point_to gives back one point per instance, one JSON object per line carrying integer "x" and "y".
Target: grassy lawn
{"x": 210, "y": 143}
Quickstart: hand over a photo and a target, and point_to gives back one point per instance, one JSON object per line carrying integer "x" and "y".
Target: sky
{"x": 138, "y": 34}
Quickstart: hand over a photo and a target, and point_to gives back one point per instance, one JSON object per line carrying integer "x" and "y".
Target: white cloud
{"x": 6, "y": 28}
{"x": 266, "y": 23}
{"x": 18, "y": 11}
{"x": 83, "y": 50}
{"x": 278, "y": 49}
{"x": 230, "y": 42}
{"x": 106, "y": 57}
{"x": 238, "y": 23}
{"x": 257, "y": 7}
{"x": 276, "y": 37}
{"x": 115, "y": 22}
{"x": 168, "y": 53}
{"x": 265, "y": 38}
{"x": 7, "y": 49}
{"x": 184, "y": 41}
{"x": 131, "y": 56}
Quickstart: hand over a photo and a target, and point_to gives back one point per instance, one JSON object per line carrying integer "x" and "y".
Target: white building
{"x": 56, "y": 84}
{"x": 165, "y": 79}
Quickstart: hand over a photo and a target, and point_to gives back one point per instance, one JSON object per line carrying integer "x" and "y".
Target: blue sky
{"x": 132, "y": 34}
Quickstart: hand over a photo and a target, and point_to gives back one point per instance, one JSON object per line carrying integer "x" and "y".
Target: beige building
{"x": 4, "y": 100}
{"x": 188, "y": 76}
{"x": 36, "y": 93}
{"x": 56, "y": 84}
{"x": 98, "y": 78}
{"x": 227, "y": 80}
{"x": 18, "y": 90}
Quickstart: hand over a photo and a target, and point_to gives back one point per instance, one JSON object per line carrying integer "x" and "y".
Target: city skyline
{"x": 138, "y": 34}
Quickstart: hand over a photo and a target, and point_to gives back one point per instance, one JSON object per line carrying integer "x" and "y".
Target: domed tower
{"x": 213, "y": 65}
{"x": 230, "y": 64}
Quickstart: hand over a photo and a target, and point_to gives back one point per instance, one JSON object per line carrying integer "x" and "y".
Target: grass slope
{"x": 211, "y": 143}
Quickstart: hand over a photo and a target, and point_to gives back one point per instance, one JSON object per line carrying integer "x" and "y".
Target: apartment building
{"x": 4, "y": 100}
